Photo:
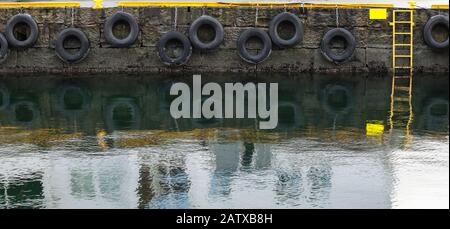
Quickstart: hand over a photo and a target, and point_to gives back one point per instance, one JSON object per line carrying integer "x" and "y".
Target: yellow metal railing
{"x": 251, "y": 4}
{"x": 97, "y": 4}
{"x": 443, "y": 6}
{"x": 38, "y": 4}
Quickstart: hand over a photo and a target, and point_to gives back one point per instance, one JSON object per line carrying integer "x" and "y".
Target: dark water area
{"x": 109, "y": 141}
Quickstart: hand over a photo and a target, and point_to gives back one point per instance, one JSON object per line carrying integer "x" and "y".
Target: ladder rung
{"x": 402, "y": 67}
{"x": 403, "y": 56}
{"x": 402, "y": 11}
{"x": 402, "y": 77}
{"x": 402, "y": 33}
{"x": 402, "y": 22}
{"x": 401, "y": 99}
{"x": 399, "y": 88}
{"x": 401, "y": 110}
{"x": 402, "y": 44}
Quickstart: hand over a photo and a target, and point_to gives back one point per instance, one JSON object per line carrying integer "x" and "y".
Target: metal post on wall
{"x": 98, "y": 4}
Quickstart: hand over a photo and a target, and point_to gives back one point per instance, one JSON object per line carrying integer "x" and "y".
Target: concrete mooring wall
{"x": 373, "y": 52}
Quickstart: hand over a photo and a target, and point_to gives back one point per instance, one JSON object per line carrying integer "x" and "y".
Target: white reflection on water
{"x": 293, "y": 173}
{"x": 424, "y": 184}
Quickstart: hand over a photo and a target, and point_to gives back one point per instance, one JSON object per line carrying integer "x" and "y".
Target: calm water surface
{"x": 110, "y": 142}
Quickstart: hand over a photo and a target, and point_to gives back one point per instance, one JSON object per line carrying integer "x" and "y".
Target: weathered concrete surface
{"x": 374, "y": 42}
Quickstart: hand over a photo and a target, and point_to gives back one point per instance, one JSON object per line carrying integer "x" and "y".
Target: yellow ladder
{"x": 399, "y": 43}
{"x": 401, "y": 112}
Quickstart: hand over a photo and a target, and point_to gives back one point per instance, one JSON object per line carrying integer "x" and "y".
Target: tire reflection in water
{"x": 25, "y": 113}
{"x": 154, "y": 161}
{"x": 122, "y": 114}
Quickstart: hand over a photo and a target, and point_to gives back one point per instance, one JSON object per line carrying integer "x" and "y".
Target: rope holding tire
{"x": 338, "y": 57}
{"x": 184, "y": 55}
{"x": 117, "y": 18}
{"x": 275, "y": 24}
{"x": 3, "y": 48}
{"x": 218, "y": 33}
{"x": 431, "y": 24}
{"x": 20, "y": 19}
{"x": 244, "y": 53}
{"x": 64, "y": 54}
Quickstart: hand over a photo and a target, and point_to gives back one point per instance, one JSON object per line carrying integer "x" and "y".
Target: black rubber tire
{"x": 63, "y": 54}
{"x": 286, "y": 17}
{"x": 215, "y": 24}
{"x": 109, "y": 25}
{"x": 428, "y": 28}
{"x": 21, "y": 19}
{"x": 338, "y": 57}
{"x": 185, "y": 55}
{"x": 245, "y": 37}
{"x": 3, "y": 48}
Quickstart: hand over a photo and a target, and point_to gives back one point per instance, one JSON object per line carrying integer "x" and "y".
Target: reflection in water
{"x": 72, "y": 100}
{"x": 24, "y": 113}
{"x": 122, "y": 114}
{"x": 4, "y": 97}
{"x": 336, "y": 99}
{"x": 24, "y": 193}
{"x": 110, "y": 142}
{"x": 437, "y": 114}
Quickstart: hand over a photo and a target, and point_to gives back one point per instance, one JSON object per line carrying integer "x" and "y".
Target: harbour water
{"x": 110, "y": 142}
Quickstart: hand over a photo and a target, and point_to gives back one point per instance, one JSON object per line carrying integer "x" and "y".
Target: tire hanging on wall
{"x": 338, "y": 57}
{"x": 428, "y": 32}
{"x": 27, "y": 20}
{"x": 218, "y": 33}
{"x": 245, "y": 37}
{"x": 275, "y": 24}
{"x": 112, "y": 21}
{"x": 66, "y": 56}
{"x": 3, "y": 48}
{"x": 185, "y": 54}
